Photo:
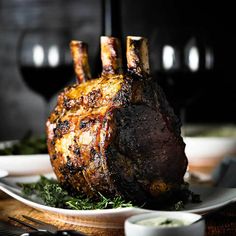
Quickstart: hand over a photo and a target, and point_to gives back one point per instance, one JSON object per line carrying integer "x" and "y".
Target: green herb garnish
{"x": 178, "y": 206}
{"x": 28, "y": 145}
{"x": 52, "y": 194}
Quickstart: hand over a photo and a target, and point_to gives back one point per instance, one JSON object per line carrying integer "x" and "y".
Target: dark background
{"x": 207, "y": 95}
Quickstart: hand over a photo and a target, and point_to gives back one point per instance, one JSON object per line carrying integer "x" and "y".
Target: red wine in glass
{"x": 46, "y": 80}
{"x": 44, "y": 61}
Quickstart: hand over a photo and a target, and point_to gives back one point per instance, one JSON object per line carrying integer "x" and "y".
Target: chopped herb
{"x": 179, "y": 206}
{"x": 181, "y": 197}
{"x": 166, "y": 222}
{"x": 52, "y": 194}
{"x": 27, "y": 145}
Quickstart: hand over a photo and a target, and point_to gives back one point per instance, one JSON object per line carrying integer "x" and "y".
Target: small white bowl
{"x": 191, "y": 228}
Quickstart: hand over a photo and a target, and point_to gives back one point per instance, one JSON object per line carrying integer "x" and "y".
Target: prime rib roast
{"x": 117, "y": 134}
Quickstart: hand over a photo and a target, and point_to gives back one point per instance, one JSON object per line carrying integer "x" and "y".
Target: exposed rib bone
{"x": 79, "y": 51}
{"x": 111, "y": 55}
{"x": 137, "y": 56}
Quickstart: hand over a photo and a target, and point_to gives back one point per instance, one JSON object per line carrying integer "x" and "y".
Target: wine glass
{"x": 44, "y": 61}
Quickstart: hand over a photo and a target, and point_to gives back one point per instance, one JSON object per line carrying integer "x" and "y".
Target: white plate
{"x": 206, "y": 153}
{"x": 3, "y": 173}
{"x": 209, "y": 148}
{"x": 212, "y": 198}
{"x": 24, "y": 164}
{"x": 207, "y": 144}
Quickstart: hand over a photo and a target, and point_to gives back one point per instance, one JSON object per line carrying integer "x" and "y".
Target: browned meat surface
{"x": 116, "y": 134}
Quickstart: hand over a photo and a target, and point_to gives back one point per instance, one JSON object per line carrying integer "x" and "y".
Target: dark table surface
{"x": 222, "y": 222}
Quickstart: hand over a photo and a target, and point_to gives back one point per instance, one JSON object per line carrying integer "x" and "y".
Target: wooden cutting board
{"x": 11, "y": 207}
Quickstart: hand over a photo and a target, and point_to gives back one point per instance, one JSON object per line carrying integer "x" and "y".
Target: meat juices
{"x": 116, "y": 134}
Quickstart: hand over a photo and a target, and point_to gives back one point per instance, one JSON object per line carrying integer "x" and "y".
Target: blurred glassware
{"x": 44, "y": 61}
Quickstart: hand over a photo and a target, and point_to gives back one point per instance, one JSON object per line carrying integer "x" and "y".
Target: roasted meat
{"x": 117, "y": 134}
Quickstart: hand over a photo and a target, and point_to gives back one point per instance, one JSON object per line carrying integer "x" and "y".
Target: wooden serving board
{"x": 11, "y": 207}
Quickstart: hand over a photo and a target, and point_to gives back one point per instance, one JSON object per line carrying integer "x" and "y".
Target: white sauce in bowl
{"x": 162, "y": 222}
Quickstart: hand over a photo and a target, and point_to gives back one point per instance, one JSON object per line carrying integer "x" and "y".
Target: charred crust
{"x": 70, "y": 147}
{"x": 134, "y": 73}
{"x": 90, "y": 100}
{"x": 62, "y": 128}
{"x": 104, "y": 122}
{"x": 86, "y": 122}
{"x": 93, "y": 97}
{"x": 56, "y": 135}
{"x": 94, "y": 154}
{"x": 64, "y": 125}
{"x": 92, "y": 151}
{"x": 109, "y": 69}
{"x": 68, "y": 103}
{"x": 123, "y": 97}
{"x": 125, "y": 182}
{"x": 63, "y": 171}
{"x": 69, "y": 169}
{"x": 83, "y": 124}
{"x": 72, "y": 169}
{"x": 77, "y": 151}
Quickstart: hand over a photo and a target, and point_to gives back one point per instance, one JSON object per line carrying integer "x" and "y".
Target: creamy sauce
{"x": 162, "y": 222}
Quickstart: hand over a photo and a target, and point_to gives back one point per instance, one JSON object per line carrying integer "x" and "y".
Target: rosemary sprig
{"x": 52, "y": 194}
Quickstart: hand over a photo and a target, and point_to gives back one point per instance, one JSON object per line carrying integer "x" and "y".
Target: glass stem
{"x": 47, "y": 109}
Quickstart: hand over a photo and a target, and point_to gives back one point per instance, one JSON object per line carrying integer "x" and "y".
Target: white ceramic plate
{"x": 207, "y": 145}
{"x": 209, "y": 148}
{"x": 24, "y": 164}
{"x": 212, "y": 198}
{"x": 206, "y": 153}
{"x": 3, "y": 173}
